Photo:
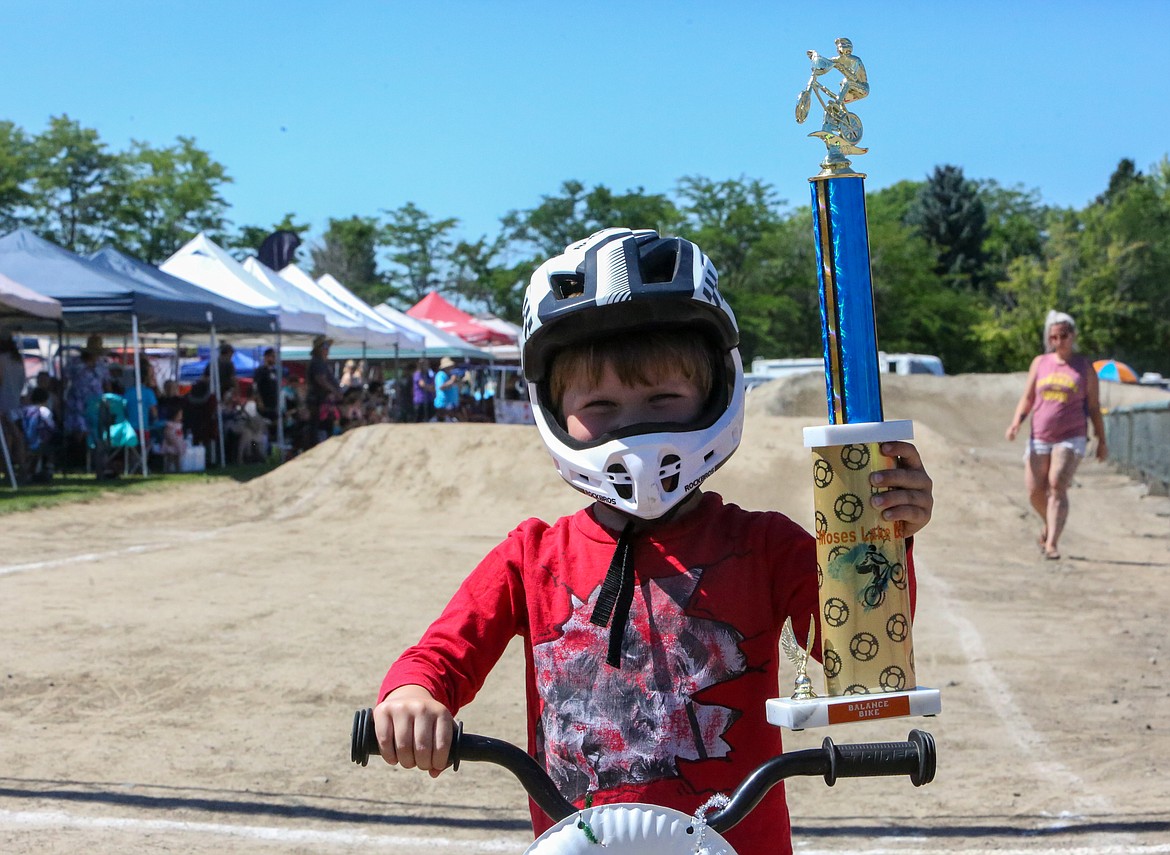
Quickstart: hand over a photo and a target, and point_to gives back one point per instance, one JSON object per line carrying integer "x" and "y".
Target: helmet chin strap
{"x": 617, "y": 591}
{"x": 617, "y": 595}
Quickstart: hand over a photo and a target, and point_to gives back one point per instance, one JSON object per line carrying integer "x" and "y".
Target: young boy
{"x": 651, "y": 619}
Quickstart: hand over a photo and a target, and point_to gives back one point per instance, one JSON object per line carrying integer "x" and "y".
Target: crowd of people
{"x": 93, "y": 416}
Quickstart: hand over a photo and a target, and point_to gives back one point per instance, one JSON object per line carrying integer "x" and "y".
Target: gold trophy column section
{"x": 864, "y": 590}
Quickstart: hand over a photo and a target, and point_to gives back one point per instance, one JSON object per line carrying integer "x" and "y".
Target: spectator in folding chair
{"x": 251, "y": 431}
{"x": 83, "y": 394}
{"x": 40, "y": 430}
{"x": 150, "y": 435}
{"x": 111, "y": 434}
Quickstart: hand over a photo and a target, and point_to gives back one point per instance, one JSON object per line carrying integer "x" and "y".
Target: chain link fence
{"x": 1139, "y": 442}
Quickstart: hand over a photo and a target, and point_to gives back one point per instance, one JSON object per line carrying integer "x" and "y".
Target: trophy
{"x": 866, "y": 642}
{"x": 798, "y": 656}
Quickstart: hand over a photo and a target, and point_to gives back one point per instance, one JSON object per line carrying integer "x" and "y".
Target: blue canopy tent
{"x": 96, "y": 298}
{"x": 244, "y": 364}
{"x": 227, "y": 315}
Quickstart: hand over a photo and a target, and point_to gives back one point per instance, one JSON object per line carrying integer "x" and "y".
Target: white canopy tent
{"x": 340, "y": 326}
{"x": 204, "y": 263}
{"x": 17, "y": 303}
{"x": 330, "y": 284}
{"x": 372, "y": 320}
{"x": 306, "y": 283}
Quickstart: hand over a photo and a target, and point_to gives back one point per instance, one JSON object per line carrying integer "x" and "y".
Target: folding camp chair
{"x": 111, "y": 433}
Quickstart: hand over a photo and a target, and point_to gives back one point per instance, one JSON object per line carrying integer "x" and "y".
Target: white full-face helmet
{"x": 621, "y": 282}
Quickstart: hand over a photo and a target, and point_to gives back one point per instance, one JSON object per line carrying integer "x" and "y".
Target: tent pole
{"x": 398, "y": 405}
{"x": 60, "y": 439}
{"x": 279, "y": 398}
{"x": 217, "y": 390}
{"x": 143, "y": 439}
{"x": 7, "y": 458}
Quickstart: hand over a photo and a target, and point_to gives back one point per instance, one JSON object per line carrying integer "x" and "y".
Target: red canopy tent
{"x": 434, "y": 309}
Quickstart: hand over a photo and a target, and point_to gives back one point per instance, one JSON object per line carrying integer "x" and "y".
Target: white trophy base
{"x": 821, "y": 436}
{"x": 822, "y": 712}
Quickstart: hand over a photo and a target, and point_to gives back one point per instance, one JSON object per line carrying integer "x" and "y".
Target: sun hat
{"x": 322, "y": 341}
{"x": 446, "y": 362}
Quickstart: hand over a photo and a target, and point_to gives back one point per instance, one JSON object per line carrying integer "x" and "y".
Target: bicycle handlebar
{"x": 916, "y": 758}
{"x": 470, "y": 746}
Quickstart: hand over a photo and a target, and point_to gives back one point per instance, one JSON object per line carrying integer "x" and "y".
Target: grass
{"x": 79, "y": 487}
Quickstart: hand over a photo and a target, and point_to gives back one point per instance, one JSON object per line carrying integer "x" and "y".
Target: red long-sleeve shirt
{"x": 684, "y": 716}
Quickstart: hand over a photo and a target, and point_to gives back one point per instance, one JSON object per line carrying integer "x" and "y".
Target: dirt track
{"x": 180, "y": 669}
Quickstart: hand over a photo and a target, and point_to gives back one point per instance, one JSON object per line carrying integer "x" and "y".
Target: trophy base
{"x": 822, "y": 712}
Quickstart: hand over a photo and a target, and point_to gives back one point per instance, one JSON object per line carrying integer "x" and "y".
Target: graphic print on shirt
{"x": 1058, "y": 386}
{"x": 600, "y": 727}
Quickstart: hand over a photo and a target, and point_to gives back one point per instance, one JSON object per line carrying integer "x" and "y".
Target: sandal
{"x": 1052, "y": 554}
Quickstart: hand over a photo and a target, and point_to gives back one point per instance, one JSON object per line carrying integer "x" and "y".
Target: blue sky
{"x": 470, "y": 109}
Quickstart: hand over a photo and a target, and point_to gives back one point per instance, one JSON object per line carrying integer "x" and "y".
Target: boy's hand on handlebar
{"x": 414, "y": 730}
{"x": 909, "y": 498}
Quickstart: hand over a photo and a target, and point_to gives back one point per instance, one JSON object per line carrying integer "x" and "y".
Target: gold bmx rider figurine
{"x": 841, "y": 130}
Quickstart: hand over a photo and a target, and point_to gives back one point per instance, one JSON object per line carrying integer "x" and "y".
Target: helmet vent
{"x": 708, "y": 455}
{"x": 659, "y": 262}
{"x": 623, "y": 484}
{"x": 669, "y": 471}
{"x": 565, "y": 286}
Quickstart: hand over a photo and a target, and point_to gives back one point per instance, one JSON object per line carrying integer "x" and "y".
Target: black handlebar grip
{"x": 915, "y": 758}
{"x": 363, "y": 740}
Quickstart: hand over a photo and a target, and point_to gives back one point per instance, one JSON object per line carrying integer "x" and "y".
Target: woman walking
{"x": 1061, "y": 397}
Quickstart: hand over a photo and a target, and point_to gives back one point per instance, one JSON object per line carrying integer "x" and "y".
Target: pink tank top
{"x": 1060, "y": 410}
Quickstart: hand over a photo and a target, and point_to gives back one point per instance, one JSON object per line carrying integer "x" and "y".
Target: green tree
{"x": 561, "y": 220}
{"x": 15, "y": 176}
{"x": 1107, "y": 266}
{"x": 71, "y": 195}
{"x": 165, "y": 197}
{"x": 914, "y": 310}
{"x": 1123, "y": 266}
{"x": 1009, "y": 333}
{"x": 1124, "y": 176}
{"x": 949, "y": 214}
{"x": 774, "y": 294}
{"x": 764, "y": 262}
{"x": 348, "y": 251}
{"x": 1017, "y": 223}
{"x": 420, "y": 250}
{"x": 481, "y": 277}
{"x": 728, "y": 218}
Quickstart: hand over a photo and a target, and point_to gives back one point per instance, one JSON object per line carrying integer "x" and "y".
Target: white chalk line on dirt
{"x": 1001, "y": 700}
{"x": 59, "y": 820}
{"x": 83, "y": 557}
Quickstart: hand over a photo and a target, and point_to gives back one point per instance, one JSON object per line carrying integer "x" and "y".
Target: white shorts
{"x": 1038, "y": 446}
